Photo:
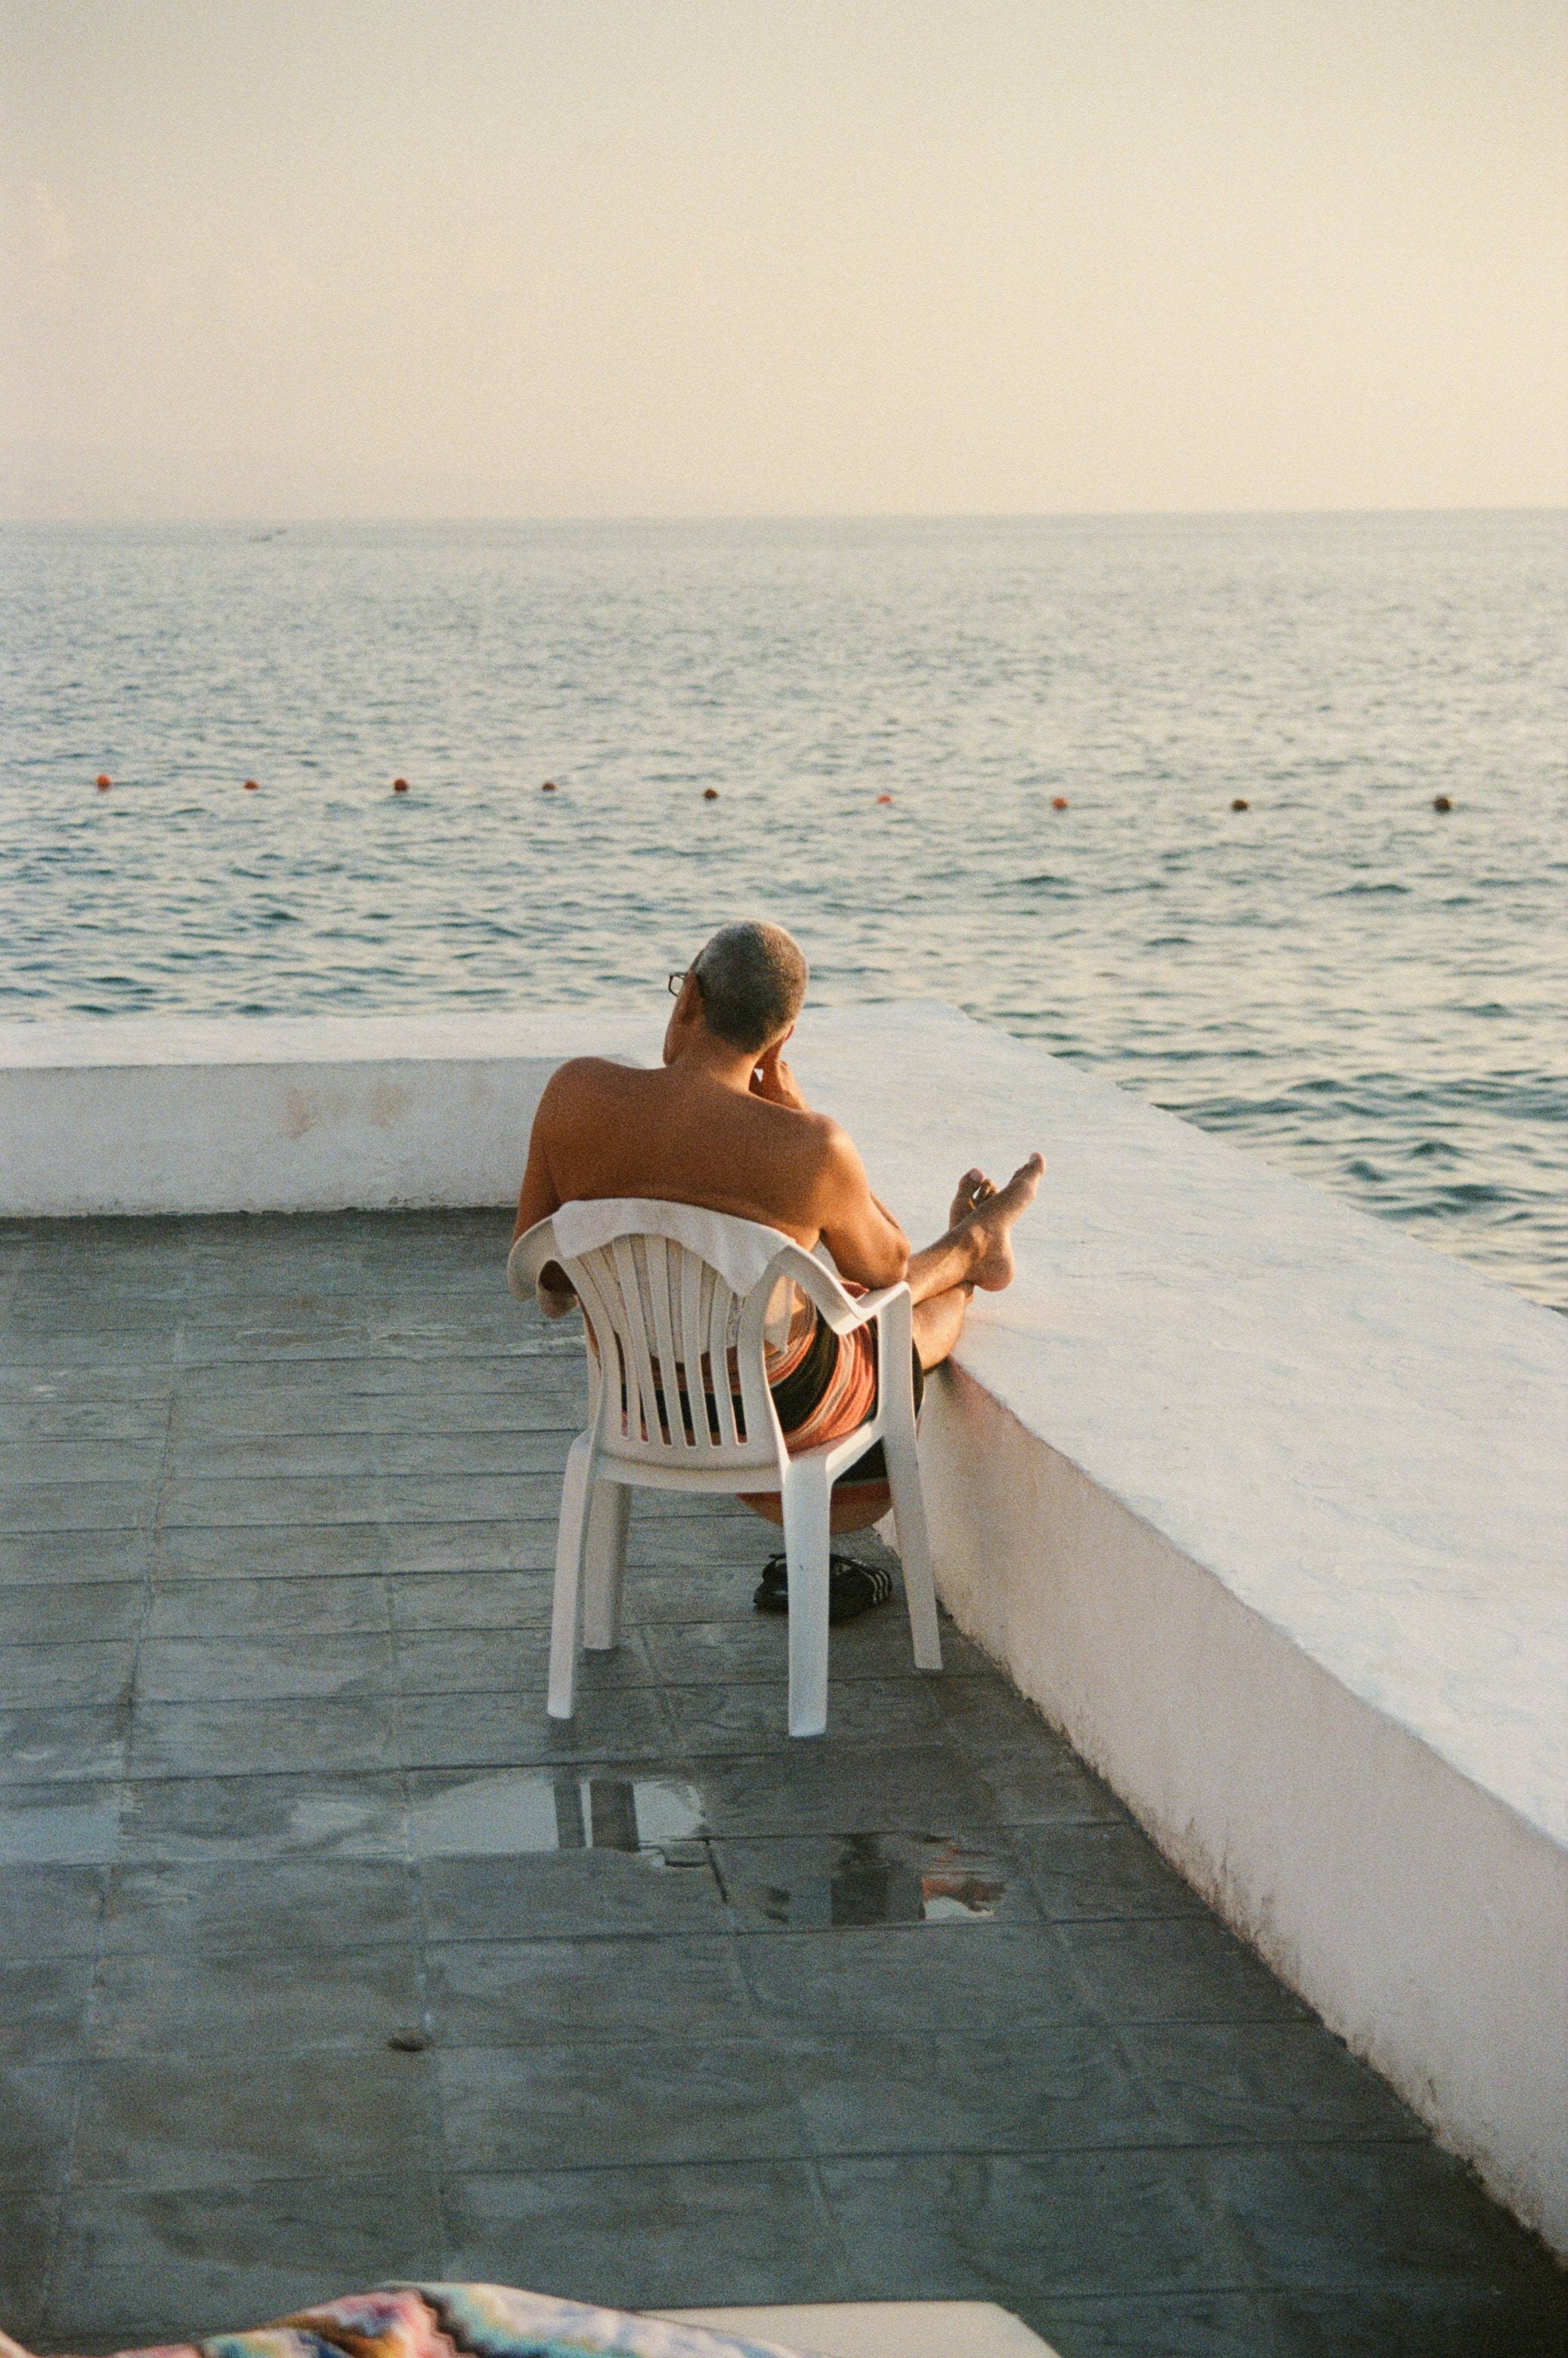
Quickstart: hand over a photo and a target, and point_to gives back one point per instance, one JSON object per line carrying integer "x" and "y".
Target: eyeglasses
{"x": 675, "y": 981}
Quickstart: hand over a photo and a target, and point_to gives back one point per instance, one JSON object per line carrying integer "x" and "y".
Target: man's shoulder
{"x": 591, "y": 1075}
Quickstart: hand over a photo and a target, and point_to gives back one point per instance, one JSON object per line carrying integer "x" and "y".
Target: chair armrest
{"x": 872, "y": 1305}
{"x": 843, "y": 1312}
{"x": 529, "y": 1256}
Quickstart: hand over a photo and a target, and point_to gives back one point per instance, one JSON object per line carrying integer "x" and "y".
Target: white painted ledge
{"x": 289, "y": 1114}
{"x": 1259, "y": 1499}
{"x": 877, "y": 2328}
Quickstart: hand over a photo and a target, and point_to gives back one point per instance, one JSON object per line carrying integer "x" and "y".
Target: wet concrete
{"x": 326, "y": 1958}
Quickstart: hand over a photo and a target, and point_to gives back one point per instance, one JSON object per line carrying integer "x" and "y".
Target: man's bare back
{"x": 724, "y": 1126}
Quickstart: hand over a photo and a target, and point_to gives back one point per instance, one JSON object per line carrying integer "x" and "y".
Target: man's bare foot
{"x": 989, "y": 1224}
{"x": 974, "y": 1189}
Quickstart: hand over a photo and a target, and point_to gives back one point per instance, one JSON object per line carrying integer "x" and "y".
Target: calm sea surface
{"x": 1339, "y": 978}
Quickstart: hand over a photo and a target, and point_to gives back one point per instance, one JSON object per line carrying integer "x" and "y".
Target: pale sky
{"x": 670, "y": 257}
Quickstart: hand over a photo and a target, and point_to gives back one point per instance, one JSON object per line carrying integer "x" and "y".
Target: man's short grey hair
{"x": 752, "y": 979}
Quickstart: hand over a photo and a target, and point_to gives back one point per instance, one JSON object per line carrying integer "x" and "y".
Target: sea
{"x": 1263, "y": 817}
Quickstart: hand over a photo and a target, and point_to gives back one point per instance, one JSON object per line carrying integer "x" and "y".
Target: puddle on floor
{"x": 521, "y": 1810}
{"x": 876, "y": 1880}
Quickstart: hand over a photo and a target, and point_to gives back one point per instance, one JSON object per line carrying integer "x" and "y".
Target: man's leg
{"x": 976, "y": 1251}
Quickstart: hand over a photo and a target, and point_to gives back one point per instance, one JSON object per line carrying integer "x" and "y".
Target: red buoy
{"x": 710, "y": 794}
{"x": 104, "y": 782}
{"x": 250, "y": 786}
{"x": 548, "y": 787}
{"x": 400, "y": 785}
{"x": 884, "y": 798}
{"x": 1058, "y": 802}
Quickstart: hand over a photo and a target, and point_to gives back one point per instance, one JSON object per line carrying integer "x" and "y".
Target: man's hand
{"x": 774, "y": 1080}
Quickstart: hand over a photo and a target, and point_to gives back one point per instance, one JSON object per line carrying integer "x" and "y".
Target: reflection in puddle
{"x": 870, "y": 1883}
{"x": 522, "y": 1811}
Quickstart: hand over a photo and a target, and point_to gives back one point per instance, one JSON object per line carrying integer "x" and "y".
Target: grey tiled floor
{"x": 711, "y": 2017}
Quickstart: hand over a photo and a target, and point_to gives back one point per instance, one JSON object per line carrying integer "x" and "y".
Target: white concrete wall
{"x": 1260, "y": 1501}
{"x": 292, "y": 1115}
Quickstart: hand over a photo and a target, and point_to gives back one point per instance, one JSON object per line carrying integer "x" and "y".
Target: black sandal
{"x": 852, "y": 1588}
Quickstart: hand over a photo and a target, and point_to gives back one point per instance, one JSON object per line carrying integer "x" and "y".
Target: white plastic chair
{"x": 681, "y": 1302}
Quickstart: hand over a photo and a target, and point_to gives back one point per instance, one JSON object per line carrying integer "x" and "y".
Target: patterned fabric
{"x": 456, "y": 2320}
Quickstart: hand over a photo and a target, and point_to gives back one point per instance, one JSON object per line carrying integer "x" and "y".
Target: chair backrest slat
{"x": 691, "y": 1337}
{"x": 721, "y": 1346}
{"x": 632, "y": 1327}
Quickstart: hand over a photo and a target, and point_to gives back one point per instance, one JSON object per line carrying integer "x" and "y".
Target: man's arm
{"x": 538, "y": 1199}
{"x": 865, "y": 1240}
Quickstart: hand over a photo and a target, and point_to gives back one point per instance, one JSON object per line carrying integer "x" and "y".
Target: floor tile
{"x": 889, "y": 2091}
{"x": 985, "y": 1979}
{"x": 248, "y": 2004}
{"x": 464, "y": 1600}
{"x": 544, "y": 1993}
{"x": 203, "y": 1456}
{"x": 459, "y": 1730}
{"x": 191, "y": 1739}
{"x": 662, "y": 2237}
{"x": 139, "y": 2268}
{"x": 61, "y": 1612}
{"x": 1099, "y": 1870}
{"x": 1192, "y": 1970}
{"x": 1174, "y": 2325}
{"x": 37, "y": 2118}
{"x": 1002, "y": 2227}
{"x": 64, "y": 1744}
{"x": 478, "y": 1497}
{"x": 720, "y": 1717}
{"x": 28, "y": 2222}
{"x": 56, "y": 1507}
{"x": 261, "y": 1670}
{"x": 217, "y": 1819}
{"x": 43, "y": 1678}
{"x": 193, "y": 1500}
{"x": 1402, "y": 2216}
{"x": 462, "y": 1455}
{"x": 470, "y": 1547}
{"x": 269, "y": 1907}
{"x": 343, "y": 1606}
{"x": 576, "y": 1895}
{"x": 60, "y": 1823}
{"x": 1262, "y": 2082}
{"x": 1450, "y": 2321}
{"x": 41, "y": 2008}
{"x": 589, "y": 2106}
{"x": 52, "y": 1911}
{"x": 842, "y": 1788}
{"x": 1043, "y": 1786}
{"x": 273, "y": 1551}
{"x": 867, "y": 1879}
{"x": 80, "y": 1458}
{"x": 175, "y": 2121}
{"x": 51, "y": 1556}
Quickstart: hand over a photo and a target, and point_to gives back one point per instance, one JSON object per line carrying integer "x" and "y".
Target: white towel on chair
{"x": 739, "y": 1249}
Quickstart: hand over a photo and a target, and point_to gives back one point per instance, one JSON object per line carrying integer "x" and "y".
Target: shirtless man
{"x": 723, "y": 1124}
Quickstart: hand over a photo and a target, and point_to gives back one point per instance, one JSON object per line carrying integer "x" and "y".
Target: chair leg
{"x": 566, "y": 1612}
{"x": 913, "y": 1541}
{"x": 806, "y": 1498}
{"x": 609, "y": 1510}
